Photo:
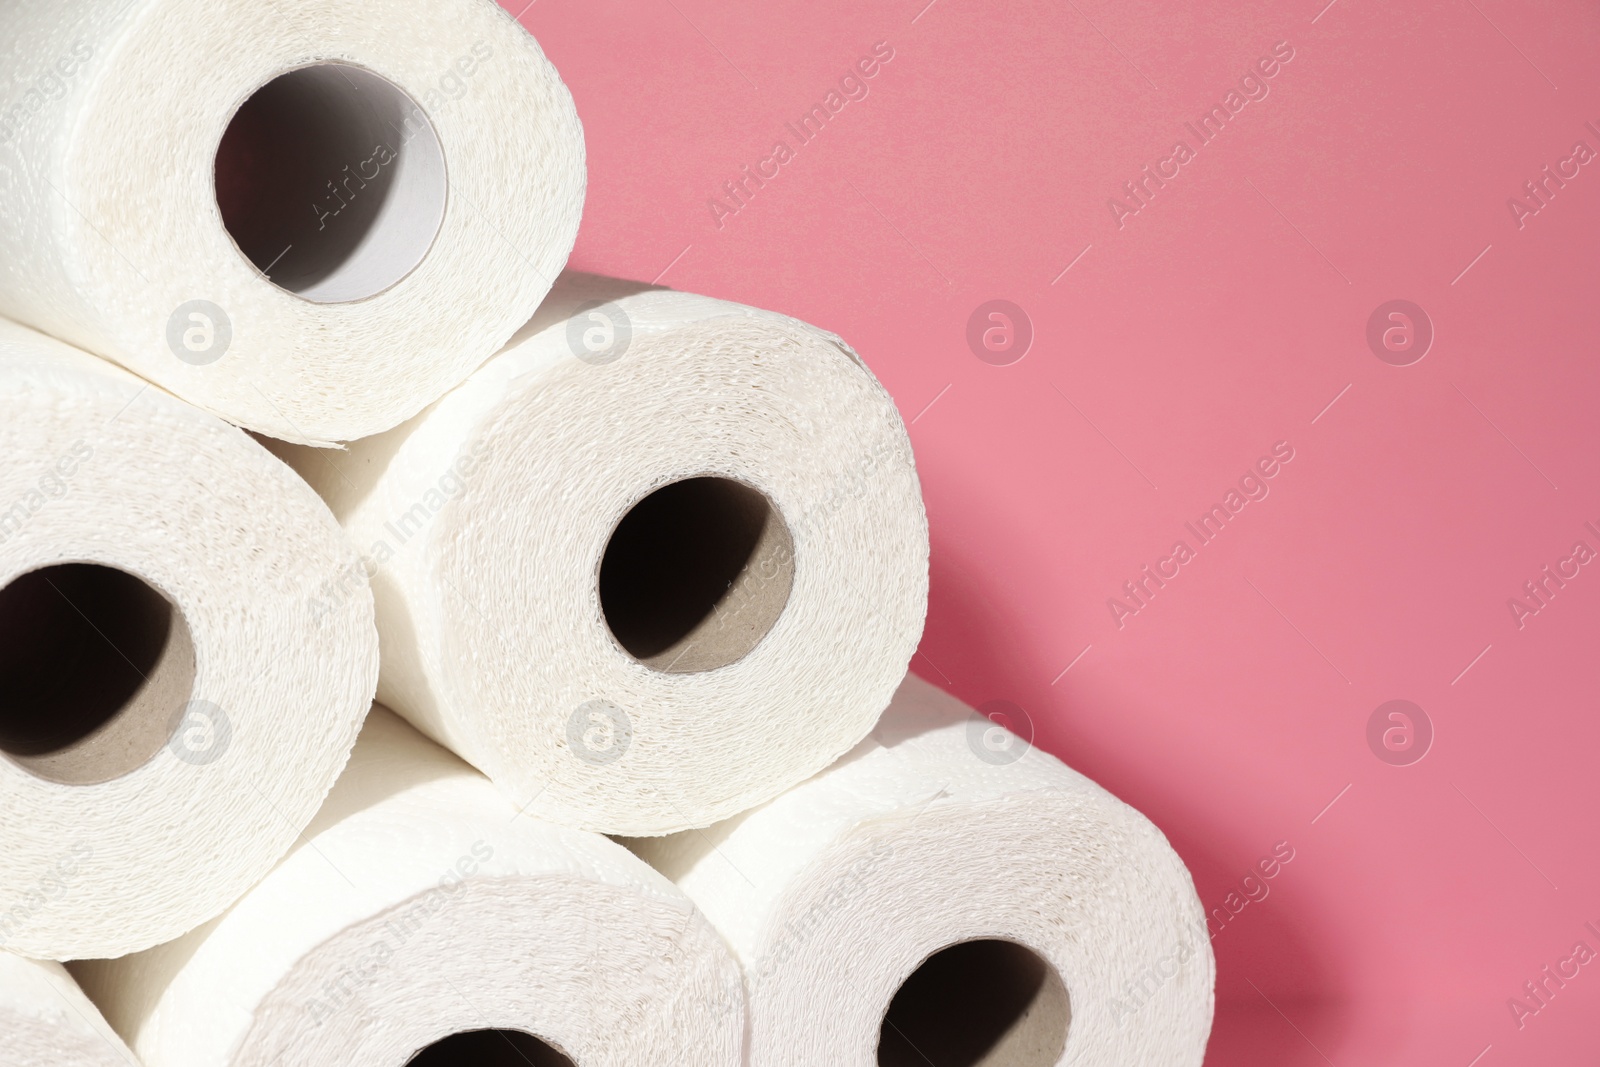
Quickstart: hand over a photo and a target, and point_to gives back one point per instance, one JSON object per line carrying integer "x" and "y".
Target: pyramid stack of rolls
{"x": 412, "y": 651}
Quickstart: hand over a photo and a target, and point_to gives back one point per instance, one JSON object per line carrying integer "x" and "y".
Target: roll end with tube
{"x": 311, "y": 221}
{"x": 661, "y": 558}
{"x": 923, "y": 893}
{"x": 177, "y": 695}
{"x": 422, "y": 922}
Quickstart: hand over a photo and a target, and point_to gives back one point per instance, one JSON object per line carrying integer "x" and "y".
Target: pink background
{"x": 1226, "y": 316}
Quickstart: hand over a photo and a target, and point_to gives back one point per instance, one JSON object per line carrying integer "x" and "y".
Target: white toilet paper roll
{"x": 310, "y": 218}
{"x": 937, "y": 898}
{"x": 46, "y": 1019}
{"x": 659, "y": 559}
{"x": 420, "y": 912}
{"x": 173, "y": 705}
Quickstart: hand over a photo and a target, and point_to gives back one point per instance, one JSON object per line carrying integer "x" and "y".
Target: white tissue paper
{"x": 46, "y": 1019}
{"x": 309, "y": 218}
{"x": 420, "y": 905}
{"x": 932, "y": 835}
{"x": 175, "y": 703}
{"x": 642, "y": 670}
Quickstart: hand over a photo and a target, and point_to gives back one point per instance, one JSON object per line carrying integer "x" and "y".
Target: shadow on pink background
{"x": 1174, "y": 347}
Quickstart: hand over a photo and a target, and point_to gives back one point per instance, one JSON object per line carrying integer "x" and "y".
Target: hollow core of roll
{"x": 696, "y": 574}
{"x": 331, "y": 181}
{"x": 977, "y": 1004}
{"x": 489, "y": 1048}
{"x": 95, "y": 665}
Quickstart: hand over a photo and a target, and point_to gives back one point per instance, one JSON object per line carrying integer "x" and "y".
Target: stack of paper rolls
{"x": 650, "y": 564}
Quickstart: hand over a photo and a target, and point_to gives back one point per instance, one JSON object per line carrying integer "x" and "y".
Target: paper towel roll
{"x": 421, "y": 906}
{"x": 939, "y": 898}
{"x": 46, "y": 1019}
{"x": 173, "y": 707}
{"x": 310, "y": 218}
{"x": 659, "y": 559}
